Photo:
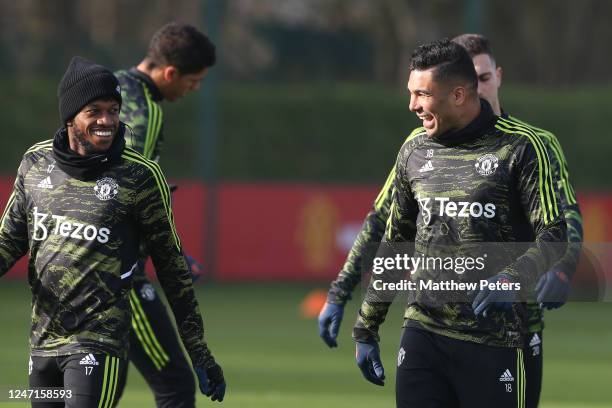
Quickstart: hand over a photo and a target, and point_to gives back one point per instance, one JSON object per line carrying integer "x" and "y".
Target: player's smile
{"x": 102, "y": 132}
{"x": 428, "y": 120}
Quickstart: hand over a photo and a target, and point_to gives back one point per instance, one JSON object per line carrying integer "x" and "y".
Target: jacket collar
{"x": 155, "y": 92}
{"x": 485, "y": 119}
{"x": 90, "y": 166}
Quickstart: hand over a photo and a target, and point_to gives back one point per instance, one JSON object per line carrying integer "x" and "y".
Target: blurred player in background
{"x": 81, "y": 204}
{"x": 554, "y": 286}
{"x": 177, "y": 61}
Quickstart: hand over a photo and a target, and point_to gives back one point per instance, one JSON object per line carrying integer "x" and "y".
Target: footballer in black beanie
{"x": 89, "y": 105}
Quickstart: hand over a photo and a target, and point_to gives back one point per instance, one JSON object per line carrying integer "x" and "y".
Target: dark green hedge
{"x": 323, "y": 132}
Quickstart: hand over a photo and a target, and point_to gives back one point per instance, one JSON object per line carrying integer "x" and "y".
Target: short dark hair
{"x": 475, "y": 44}
{"x": 182, "y": 46}
{"x": 450, "y": 60}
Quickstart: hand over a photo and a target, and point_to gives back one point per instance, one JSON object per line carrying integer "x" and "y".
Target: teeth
{"x": 103, "y": 132}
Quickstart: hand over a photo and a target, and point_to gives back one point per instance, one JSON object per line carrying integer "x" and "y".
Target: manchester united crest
{"x": 487, "y": 164}
{"x": 147, "y": 292}
{"x": 400, "y": 356}
{"x": 106, "y": 188}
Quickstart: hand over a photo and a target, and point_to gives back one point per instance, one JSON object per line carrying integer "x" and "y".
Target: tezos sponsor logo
{"x": 106, "y": 188}
{"x": 425, "y": 209}
{"x": 449, "y": 208}
{"x": 68, "y": 229}
{"x": 487, "y": 164}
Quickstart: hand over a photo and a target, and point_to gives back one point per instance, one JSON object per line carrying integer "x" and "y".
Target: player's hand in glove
{"x": 212, "y": 383}
{"x": 368, "y": 360}
{"x": 329, "y": 323}
{"x": 488, "y": 299}
{"x": 553, "y": 289}
{"x": 195, "y": 268}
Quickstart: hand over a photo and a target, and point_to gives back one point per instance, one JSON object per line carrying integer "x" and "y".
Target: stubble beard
{"x": 83, "y": 142}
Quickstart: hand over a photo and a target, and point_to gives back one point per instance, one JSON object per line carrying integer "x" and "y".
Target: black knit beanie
{"x": 83, "y": 82}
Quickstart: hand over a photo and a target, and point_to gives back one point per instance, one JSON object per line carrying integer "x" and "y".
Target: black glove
{"x": 553, "y": 289}
{"x": 368, "y": 360}
{"x": 329, "y": 323}
{"x": 212, "y": 383}
{"x": 494, "y": 299}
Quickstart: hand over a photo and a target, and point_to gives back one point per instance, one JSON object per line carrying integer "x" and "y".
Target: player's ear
{"x": 170, "y": 73}
{"x": 459, "y": 95}
{"x": 499, "y": 73}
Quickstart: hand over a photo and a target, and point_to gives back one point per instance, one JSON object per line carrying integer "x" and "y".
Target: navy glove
{"x": 195, "y": 268}
{"x": 553, "y": 289}
{"x": 329, "y": 323}
{"x": 212, "y": 383}
{"x": 368, "y": 360}
{"x": 494, "y": 299}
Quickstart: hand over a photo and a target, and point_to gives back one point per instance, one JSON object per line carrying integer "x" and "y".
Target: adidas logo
{"x": 89, "y": 359}
{"x": 535, "y": 340}
{"x": 45, "y": 183}
{"x": 426, "y": 167}
{"x": 506, "y": 376}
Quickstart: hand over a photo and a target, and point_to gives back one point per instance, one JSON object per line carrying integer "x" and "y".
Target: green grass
{"x": 272, "y": 357}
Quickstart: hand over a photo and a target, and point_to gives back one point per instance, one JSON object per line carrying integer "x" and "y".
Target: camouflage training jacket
{"x": 372, "y": 231}
{"x": 82, "y": 237}
{"x": 490, "y": 182}
{"x": 143, "y": 115}
{"x": 142, "y": 112}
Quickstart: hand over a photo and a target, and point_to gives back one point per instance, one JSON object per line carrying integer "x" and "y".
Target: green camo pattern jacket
{"x": 526, "y": 210}
{"x": 143, "y": 115}
{"x": 82, "y": 238}
{"x": 373, "y": 228}
{"x": 142, "y": 112}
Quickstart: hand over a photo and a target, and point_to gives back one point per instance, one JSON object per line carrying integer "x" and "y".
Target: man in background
{"x": 554, "y": 287}
{"x": 177, "y": 60}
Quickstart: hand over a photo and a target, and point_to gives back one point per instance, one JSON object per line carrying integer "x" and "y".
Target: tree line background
{"x": 308, "y": 87}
